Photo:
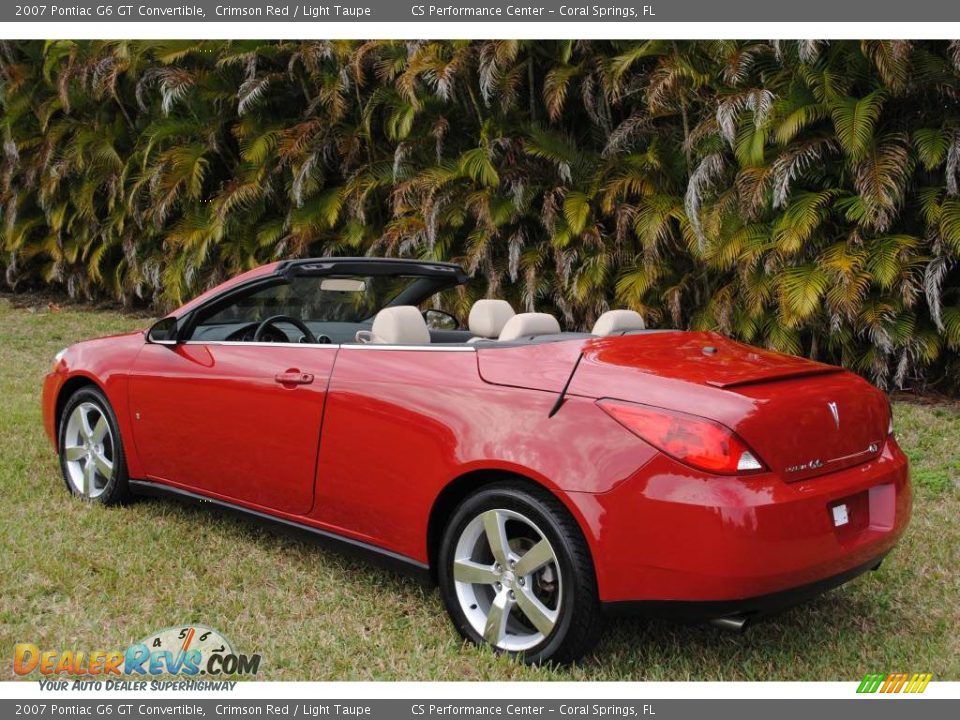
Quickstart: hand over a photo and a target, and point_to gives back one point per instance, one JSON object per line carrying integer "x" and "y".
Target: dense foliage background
{"x": 800, "y": 195}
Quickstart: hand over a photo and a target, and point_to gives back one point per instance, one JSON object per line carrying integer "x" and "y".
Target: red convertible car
{"x": 541, "y": 478}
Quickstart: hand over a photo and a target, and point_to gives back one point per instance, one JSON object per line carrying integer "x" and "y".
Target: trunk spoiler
{"x": 773, "y": 376}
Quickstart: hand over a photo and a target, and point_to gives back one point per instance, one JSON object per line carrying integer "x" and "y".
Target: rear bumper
{"x": 670, "y": 534}
{"x": 752, "y": 607}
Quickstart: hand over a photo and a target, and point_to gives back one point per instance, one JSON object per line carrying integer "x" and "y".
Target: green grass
{"x": 76, "y": 576}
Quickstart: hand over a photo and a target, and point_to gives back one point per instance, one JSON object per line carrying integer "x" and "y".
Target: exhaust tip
{"x": 733, "y": 623}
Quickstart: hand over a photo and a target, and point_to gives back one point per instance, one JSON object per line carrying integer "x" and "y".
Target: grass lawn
{"x": 76, "y": 576}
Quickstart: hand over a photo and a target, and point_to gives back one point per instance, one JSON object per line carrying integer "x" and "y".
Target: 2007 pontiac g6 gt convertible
{"x": 542, "y": 478}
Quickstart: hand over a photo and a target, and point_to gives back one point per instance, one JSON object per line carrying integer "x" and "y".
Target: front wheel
{"x": 91, "y": 452}
{"x": 516, "y": 574}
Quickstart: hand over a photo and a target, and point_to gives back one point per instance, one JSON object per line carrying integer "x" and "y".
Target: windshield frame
{"x": 429, "y": 279}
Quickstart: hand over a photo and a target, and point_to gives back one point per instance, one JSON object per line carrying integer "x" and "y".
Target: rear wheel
{"x": 91, "y": 452}
{"x": 516, "y": 574}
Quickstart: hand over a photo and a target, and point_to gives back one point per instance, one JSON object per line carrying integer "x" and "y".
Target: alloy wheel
{"x": 88, "y": 450}
{"x": 507, "y": 580}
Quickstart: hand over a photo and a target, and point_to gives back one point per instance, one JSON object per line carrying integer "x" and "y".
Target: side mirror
{"x": 163, "y": 332}
{"x": 440, "y": 320}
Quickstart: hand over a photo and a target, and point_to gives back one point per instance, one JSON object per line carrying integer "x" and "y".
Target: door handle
{"x": 293, "y": 377}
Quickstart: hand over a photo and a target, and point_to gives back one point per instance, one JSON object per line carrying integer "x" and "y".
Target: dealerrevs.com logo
{"x": 188, "y": 650}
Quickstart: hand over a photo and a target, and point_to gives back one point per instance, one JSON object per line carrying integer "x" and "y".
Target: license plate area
{"x": 852, "y": 516}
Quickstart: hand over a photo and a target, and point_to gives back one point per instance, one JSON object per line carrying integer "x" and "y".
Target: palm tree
{"x": 799, "y": 195}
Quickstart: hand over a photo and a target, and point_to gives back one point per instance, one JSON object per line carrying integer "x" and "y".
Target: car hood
{"x": 783, "y": 406}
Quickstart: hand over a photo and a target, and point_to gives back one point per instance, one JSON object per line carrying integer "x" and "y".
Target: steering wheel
{"x": 308, "y": 335}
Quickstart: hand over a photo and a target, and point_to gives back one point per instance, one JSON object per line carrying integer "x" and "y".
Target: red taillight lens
{"x": 692, "y": 440}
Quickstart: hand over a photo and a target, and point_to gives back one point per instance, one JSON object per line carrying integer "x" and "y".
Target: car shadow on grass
{"x": 271, "y": 535}
{"x": 846, "y": 628}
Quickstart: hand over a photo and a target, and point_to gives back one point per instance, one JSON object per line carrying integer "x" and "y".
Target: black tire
{"x": 116, "y": 489}
{"x": 579, "y": 619}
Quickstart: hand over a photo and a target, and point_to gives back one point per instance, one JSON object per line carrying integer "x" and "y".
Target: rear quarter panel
{"x": 402, "y": 424}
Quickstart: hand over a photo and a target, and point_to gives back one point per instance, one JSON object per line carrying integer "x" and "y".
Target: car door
{"x": 237, "y": 420}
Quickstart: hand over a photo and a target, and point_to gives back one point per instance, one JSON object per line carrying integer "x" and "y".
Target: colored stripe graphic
{"x": 918, "y": 683}
{"x": 894, "y": 683}
{"x": 871, "y": 683}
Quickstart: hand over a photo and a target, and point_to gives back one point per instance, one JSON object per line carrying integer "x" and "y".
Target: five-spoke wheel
{"x": 516, "y": 574}
{"x": 508, "y": 580}
{"x": 88, "y": 450}
{"x": 91, "y": 453}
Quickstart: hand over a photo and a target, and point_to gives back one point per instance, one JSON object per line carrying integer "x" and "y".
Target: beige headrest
{"x": 487, "y": 317}
{"x": 618, "y": 321}
{"x": 400, "y": 325}
{"x": 528, "y": 324}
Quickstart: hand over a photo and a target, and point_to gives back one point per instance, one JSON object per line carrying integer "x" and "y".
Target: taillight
{"x": 695, "y": 441}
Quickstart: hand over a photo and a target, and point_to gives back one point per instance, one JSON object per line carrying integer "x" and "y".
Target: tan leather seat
{"x": 617, "y": 322}
{"x": 487, "y": 318}
{"x": 399, "y": 325}
{"x": 526, "y": 325}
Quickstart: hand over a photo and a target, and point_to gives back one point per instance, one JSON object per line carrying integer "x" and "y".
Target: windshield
{"x": 348, "y": 298}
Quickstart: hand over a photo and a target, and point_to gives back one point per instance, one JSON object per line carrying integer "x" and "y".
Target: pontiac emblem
{"x": 835, "y": 412}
